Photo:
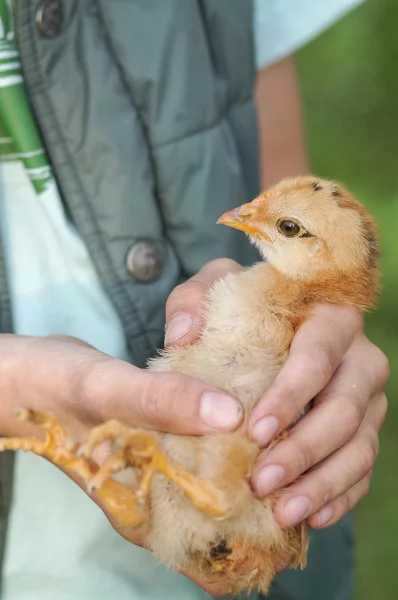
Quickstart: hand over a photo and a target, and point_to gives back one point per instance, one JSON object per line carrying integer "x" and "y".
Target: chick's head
{"x": 312, "y": 230}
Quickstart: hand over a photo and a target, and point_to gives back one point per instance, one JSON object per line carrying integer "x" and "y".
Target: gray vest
{"x": 147, "y": 114}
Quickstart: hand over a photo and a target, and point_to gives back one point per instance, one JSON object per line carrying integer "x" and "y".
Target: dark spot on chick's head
{"x": 317, "y": 186}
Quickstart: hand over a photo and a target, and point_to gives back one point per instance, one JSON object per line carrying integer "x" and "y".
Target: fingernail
{"x": 297, "y": 509}
{"x": 325, "y": 516}
{"x": 269, "y": 478}
{"x": 220, "y": 412}
{"x": 264, "y": 430}
{"x": 177, "y": 328}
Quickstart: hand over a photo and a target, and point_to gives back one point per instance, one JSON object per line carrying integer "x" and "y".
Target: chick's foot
{"x": 62, "y": 450}
{"x": 142, "y": 451}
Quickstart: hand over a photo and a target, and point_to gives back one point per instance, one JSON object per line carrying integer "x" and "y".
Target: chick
{"x": 192, "y": 495}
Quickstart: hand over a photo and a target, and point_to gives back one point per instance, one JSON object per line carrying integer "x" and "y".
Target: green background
{"x": 349, "y": 81}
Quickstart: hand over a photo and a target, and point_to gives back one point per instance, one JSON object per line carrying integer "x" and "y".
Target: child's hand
{"x": 330, "y": 453}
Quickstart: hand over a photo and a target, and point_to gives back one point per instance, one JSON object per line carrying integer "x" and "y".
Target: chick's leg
{"x": 56, "y": 446}
{"x": 142, "y": 450}
{"x": 61, "y": 450}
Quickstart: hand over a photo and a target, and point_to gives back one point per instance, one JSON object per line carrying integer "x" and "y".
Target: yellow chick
{"x": 192, "y": 496}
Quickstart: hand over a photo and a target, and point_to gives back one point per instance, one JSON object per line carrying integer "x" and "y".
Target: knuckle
{"x": 368, "y": 454}
{"x": 376, "y": 359}
{"x": 322, "y": 362}
{"x": 349, "y": 320}
{"x": 351, "y": 415}
{"x": 324, "y": 491}
{"x": 383, "y": 365}
{"x": 150, "y": 401}
{"x": 194, "y": 290}
{"x": 158, "y": 401}
{"x": 176, "y": 292}
{"x": 307, "y": 459}
{"x": 285, "y": 415}
{"x": 285, "y": 392}
{"x": 366, "y": 460}
{"x": 375, "y": 445}
{"x": 224, "y": 265}
{"x": 161, "y": 403}
{"x": 186, "y": 294}
{"x": 354, "y": 319}
{"x": 365, "y": 486}
{"x": 304, "y": 459}
{"x": 356, "y": 493}
{"x": 345, "y": 319}
{"x": 345, "y": 504}
{"x": 341, "y": 506}
{"x": 89, "y": 381}
{"x": 383, "y": 407}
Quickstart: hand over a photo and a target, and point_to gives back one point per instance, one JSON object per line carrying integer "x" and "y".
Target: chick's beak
{"x": 246, "y": 218}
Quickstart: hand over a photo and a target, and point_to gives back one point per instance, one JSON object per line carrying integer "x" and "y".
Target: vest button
{"x": 49, "y": 18}
{"x": 145, "y": 261}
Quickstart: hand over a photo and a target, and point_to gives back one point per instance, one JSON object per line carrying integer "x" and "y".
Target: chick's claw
{"x": 142, "y": 450}
{"x": 114, "y": 464}
{"x": 55, "y": 433}
{"x": 111, "y": 430}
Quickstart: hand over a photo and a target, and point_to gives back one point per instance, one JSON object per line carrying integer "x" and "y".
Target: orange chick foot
{"x": 61, "y": 450}
{"x": 130, "y": 448}
{"x": 142, "y": 451}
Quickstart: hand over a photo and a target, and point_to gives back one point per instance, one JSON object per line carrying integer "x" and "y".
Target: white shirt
{"x": 281, "y": 27}
{"x": 60, "y": 545}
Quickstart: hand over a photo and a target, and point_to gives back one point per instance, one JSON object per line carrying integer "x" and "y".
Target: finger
{"x": 335, "y": 510}
{"x": 337, "y": 414}
{"x": 316, "y": 351}
{"x": 184, "y": 322}
{"x": 167, "y": 402}
{"x": 335, "y": 475}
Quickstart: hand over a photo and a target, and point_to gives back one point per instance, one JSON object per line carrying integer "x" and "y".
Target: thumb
{"x": 167, "y": 402}
{"x": 184, "y": 321}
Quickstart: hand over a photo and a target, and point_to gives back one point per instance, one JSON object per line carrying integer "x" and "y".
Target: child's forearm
{"x": 282, "y": 145}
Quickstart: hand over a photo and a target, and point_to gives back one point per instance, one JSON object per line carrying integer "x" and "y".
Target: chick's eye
{"x": 288, "y": 228}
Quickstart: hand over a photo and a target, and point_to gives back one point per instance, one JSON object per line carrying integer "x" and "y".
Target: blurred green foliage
{"x": 350, "y": 89}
